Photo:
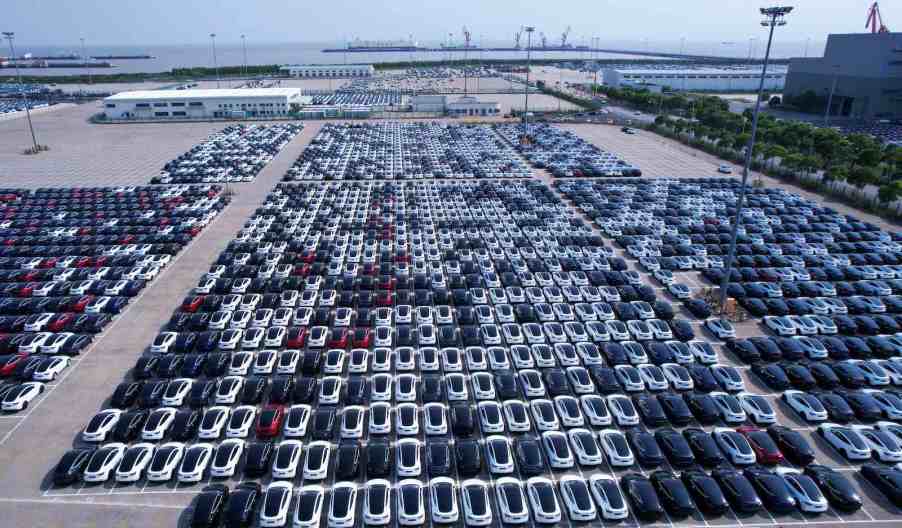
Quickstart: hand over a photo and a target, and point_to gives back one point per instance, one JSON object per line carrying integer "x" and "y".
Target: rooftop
{"x": 205, "y": 93}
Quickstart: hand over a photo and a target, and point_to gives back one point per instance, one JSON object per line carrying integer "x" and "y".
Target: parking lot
{"x": 147, "y": 504}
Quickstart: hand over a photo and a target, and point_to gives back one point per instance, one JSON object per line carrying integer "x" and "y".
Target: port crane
{"x": 467, "y": 36}
{"x": 564, "y": 36}
{"x": 544, "y": 40}
{"x": 874, "y": 20}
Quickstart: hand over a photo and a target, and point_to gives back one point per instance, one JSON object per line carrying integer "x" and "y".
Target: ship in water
{"x": 382, "y": 45}
{"x": 122, "y": 57}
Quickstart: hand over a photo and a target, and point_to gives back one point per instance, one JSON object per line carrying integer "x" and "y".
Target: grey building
{"x": 867, "y": 70}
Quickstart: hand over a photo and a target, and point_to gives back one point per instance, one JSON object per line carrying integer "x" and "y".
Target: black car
{"x": 650, "y": 410}
{"x": 469, "y": 457}
{"x": 304, "y": 389}
{"x": 129, "y": 425}
{"x": 645, "y": 448}
{"x": 378, "y": 459}
{"x": 675, "y": 448}
{"x": 673, "y": 493}
{"x": 348, "y": 461}
{"x": 837, "y": 489}
{"x": 529, "y": 455}
{"x": 125, "y": 394}
{"x": 792, "y": 444}
{"x": 71, "y": 466}
{"x": 438, "y": 458}
{"x": 862, "y": 404}
{"x": 772, "y": 375}
{"x": 704, "y": 447}
{"x": 738, "y": 491}
{"x": 209, "y": 505}
{"x": 463, "y": 421}
{"x": 771, "y": 488}
{"x": 241, "y": 507}
{"x": 838, "y": 409}
{"x": 641, "y": 494}
{"x": 886, "y": 479}
{"x": 184, "y": 425}
{"x": 323, "y": 423}
{"x": 703, "y": 407}
{"x": 705, "y": 492}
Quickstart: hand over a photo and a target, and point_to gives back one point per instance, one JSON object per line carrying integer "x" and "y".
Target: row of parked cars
{"x": 405, "y": 151}
{"x": 71, "y": 259}
{"x": 823, "y": 283}
{"x": 330, "y": 392}
{"x": 236, "y": 153}
{"x": 354, "y": 97}
{"x": 563, "y": 153}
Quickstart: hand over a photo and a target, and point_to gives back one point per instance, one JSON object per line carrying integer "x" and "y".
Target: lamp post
{"x": 830, "y": 97}
{"x": 772, "y": 17}
{"x": 529, "y": 30}
{"x": 12, "y": 53}
{"x": 244, "y": 50}
{"x": 215, "y": 65}
{"x": 84, "y": 59}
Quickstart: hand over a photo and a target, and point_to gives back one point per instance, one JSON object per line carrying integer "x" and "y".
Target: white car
{"x": 443, "y": 500}
{"x": 158, "y": 423}
{"x": 316, "y": 465}
{"x": 296, "y": 419}
{"x": 21, "y": 395}
{"x": 225, "y": 461}
{"x": 757, "y": 408}
{"x": 517, "y": 416}
{"x": 352, "y": 422}
{"x": 310, "y": 507}
{"x": 377, "y": 502}
{"x": 286, "y": 459}
{"x": 608, "y": 497}
{"x": 103, "y": 462}
{"x": 728, "y": 377}
{"x": 275, "y": 504}
{"x": 577, "y": 498}
{"x": 804, "y": 490}
{"x": 499, "y": 459}
{"x": 163, "y": 341}
{"x": 780, "y": 325}
{"x": 616, "y": 448}
{"x": 586, "y": 448}
{"x": 176, "y": 391}
{"x": 408, "y": 461}
{"x": 846, "y": 440}
{"x": 595, "y": 409}
{"x": 240, "y": 421}
{"x": 882, "y": 443}
{"x": 165, "y": 460}
{"x": 134, "y": 461}
{"x": 194, "y": 462}
{"x": 411, "y": 509}
{"x": 735, "y": 446}
{"x": 100, "y": 425}
{"x": 678, "y": 376}
{"x": 729, "y": 407}
{"x": 806, "y": 405}
{"x": 475, "y": 503}
{"x": 342, "y": 505}
{"x": 623, "y": 410}
{"x": 542, "y": 500}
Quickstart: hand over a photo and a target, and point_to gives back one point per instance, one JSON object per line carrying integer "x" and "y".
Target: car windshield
{"x": 341, "y": 501}
{"x": 477, "y": 499}
{"x": 273, "y": 502}
{"x": 307, "y": 505}
{"x": 377, "y": 499}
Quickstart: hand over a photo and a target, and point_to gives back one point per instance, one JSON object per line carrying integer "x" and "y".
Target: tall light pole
{"x": 244, "y": 49}
{"x": 84, "y": 59}
{"x": 830, "y": 98}
{"x": 773, "y": 17}
{"x": 529, "y": 30}
{"x": 215, "y": 66}
{"x": 8, "y": 35}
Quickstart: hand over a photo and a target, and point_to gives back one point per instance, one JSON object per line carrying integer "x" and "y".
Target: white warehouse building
{"x": 208, "y": 103}
{"x": 711, "y": 80}
{"x": 325, "y": 71}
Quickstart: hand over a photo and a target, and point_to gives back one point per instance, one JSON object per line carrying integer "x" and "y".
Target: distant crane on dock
{"x": 564, "y": 36}
{"x": 544, "y": 40}
{"x": 874, "y": 20}
{"x": 517, "y": 38}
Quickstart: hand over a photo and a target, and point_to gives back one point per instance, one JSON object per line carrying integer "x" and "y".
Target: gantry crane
{"x": 874, "y": 20}
{"x": 564, "y": 36}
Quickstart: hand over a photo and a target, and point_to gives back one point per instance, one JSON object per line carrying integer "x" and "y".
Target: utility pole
{"x": 12, "y": 53}
{"x": 529, "y": 30}
{"x": 84, "y": 59}
{"x": 830, "y": 98}
{"x": 244, "y": 49}
{"x": 773, "y": 17}
{"x": 215, "y": 65}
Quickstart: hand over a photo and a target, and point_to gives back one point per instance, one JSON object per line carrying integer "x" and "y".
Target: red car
{"x": 338, "y": 338}
{"x": 27, "y": 290}
{"x": 308, "y": 256}
{"x": 302, "y": 271}
{"x": 47, "y": 263}
{"x": 387, "y": 282}
{"x": 296, "y": 337}
{"x": 84, "y": 262}
{"x": 766, "y": 451}
{"x": 385, "y": 299}
{"x": 82, "y": 303}
{"x": 60, "y": 322}
{"x": 362, "y": 337}
{"x": 193, "y": 303}
{"x": 369, "y": 269}
{"x": 269, "y": 423}
{"x": 9, "y": 366}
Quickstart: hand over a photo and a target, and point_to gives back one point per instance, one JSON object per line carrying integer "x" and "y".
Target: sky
{"x": 167, "y": 22}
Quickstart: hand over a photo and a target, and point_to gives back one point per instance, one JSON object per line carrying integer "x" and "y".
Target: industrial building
{"x": 697, "y": 80}
{"x": 863, "y": 70}
{"x": 200, "y": 104}
{"x": 461, "y": 107}
{"x": 327, "y": 71}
